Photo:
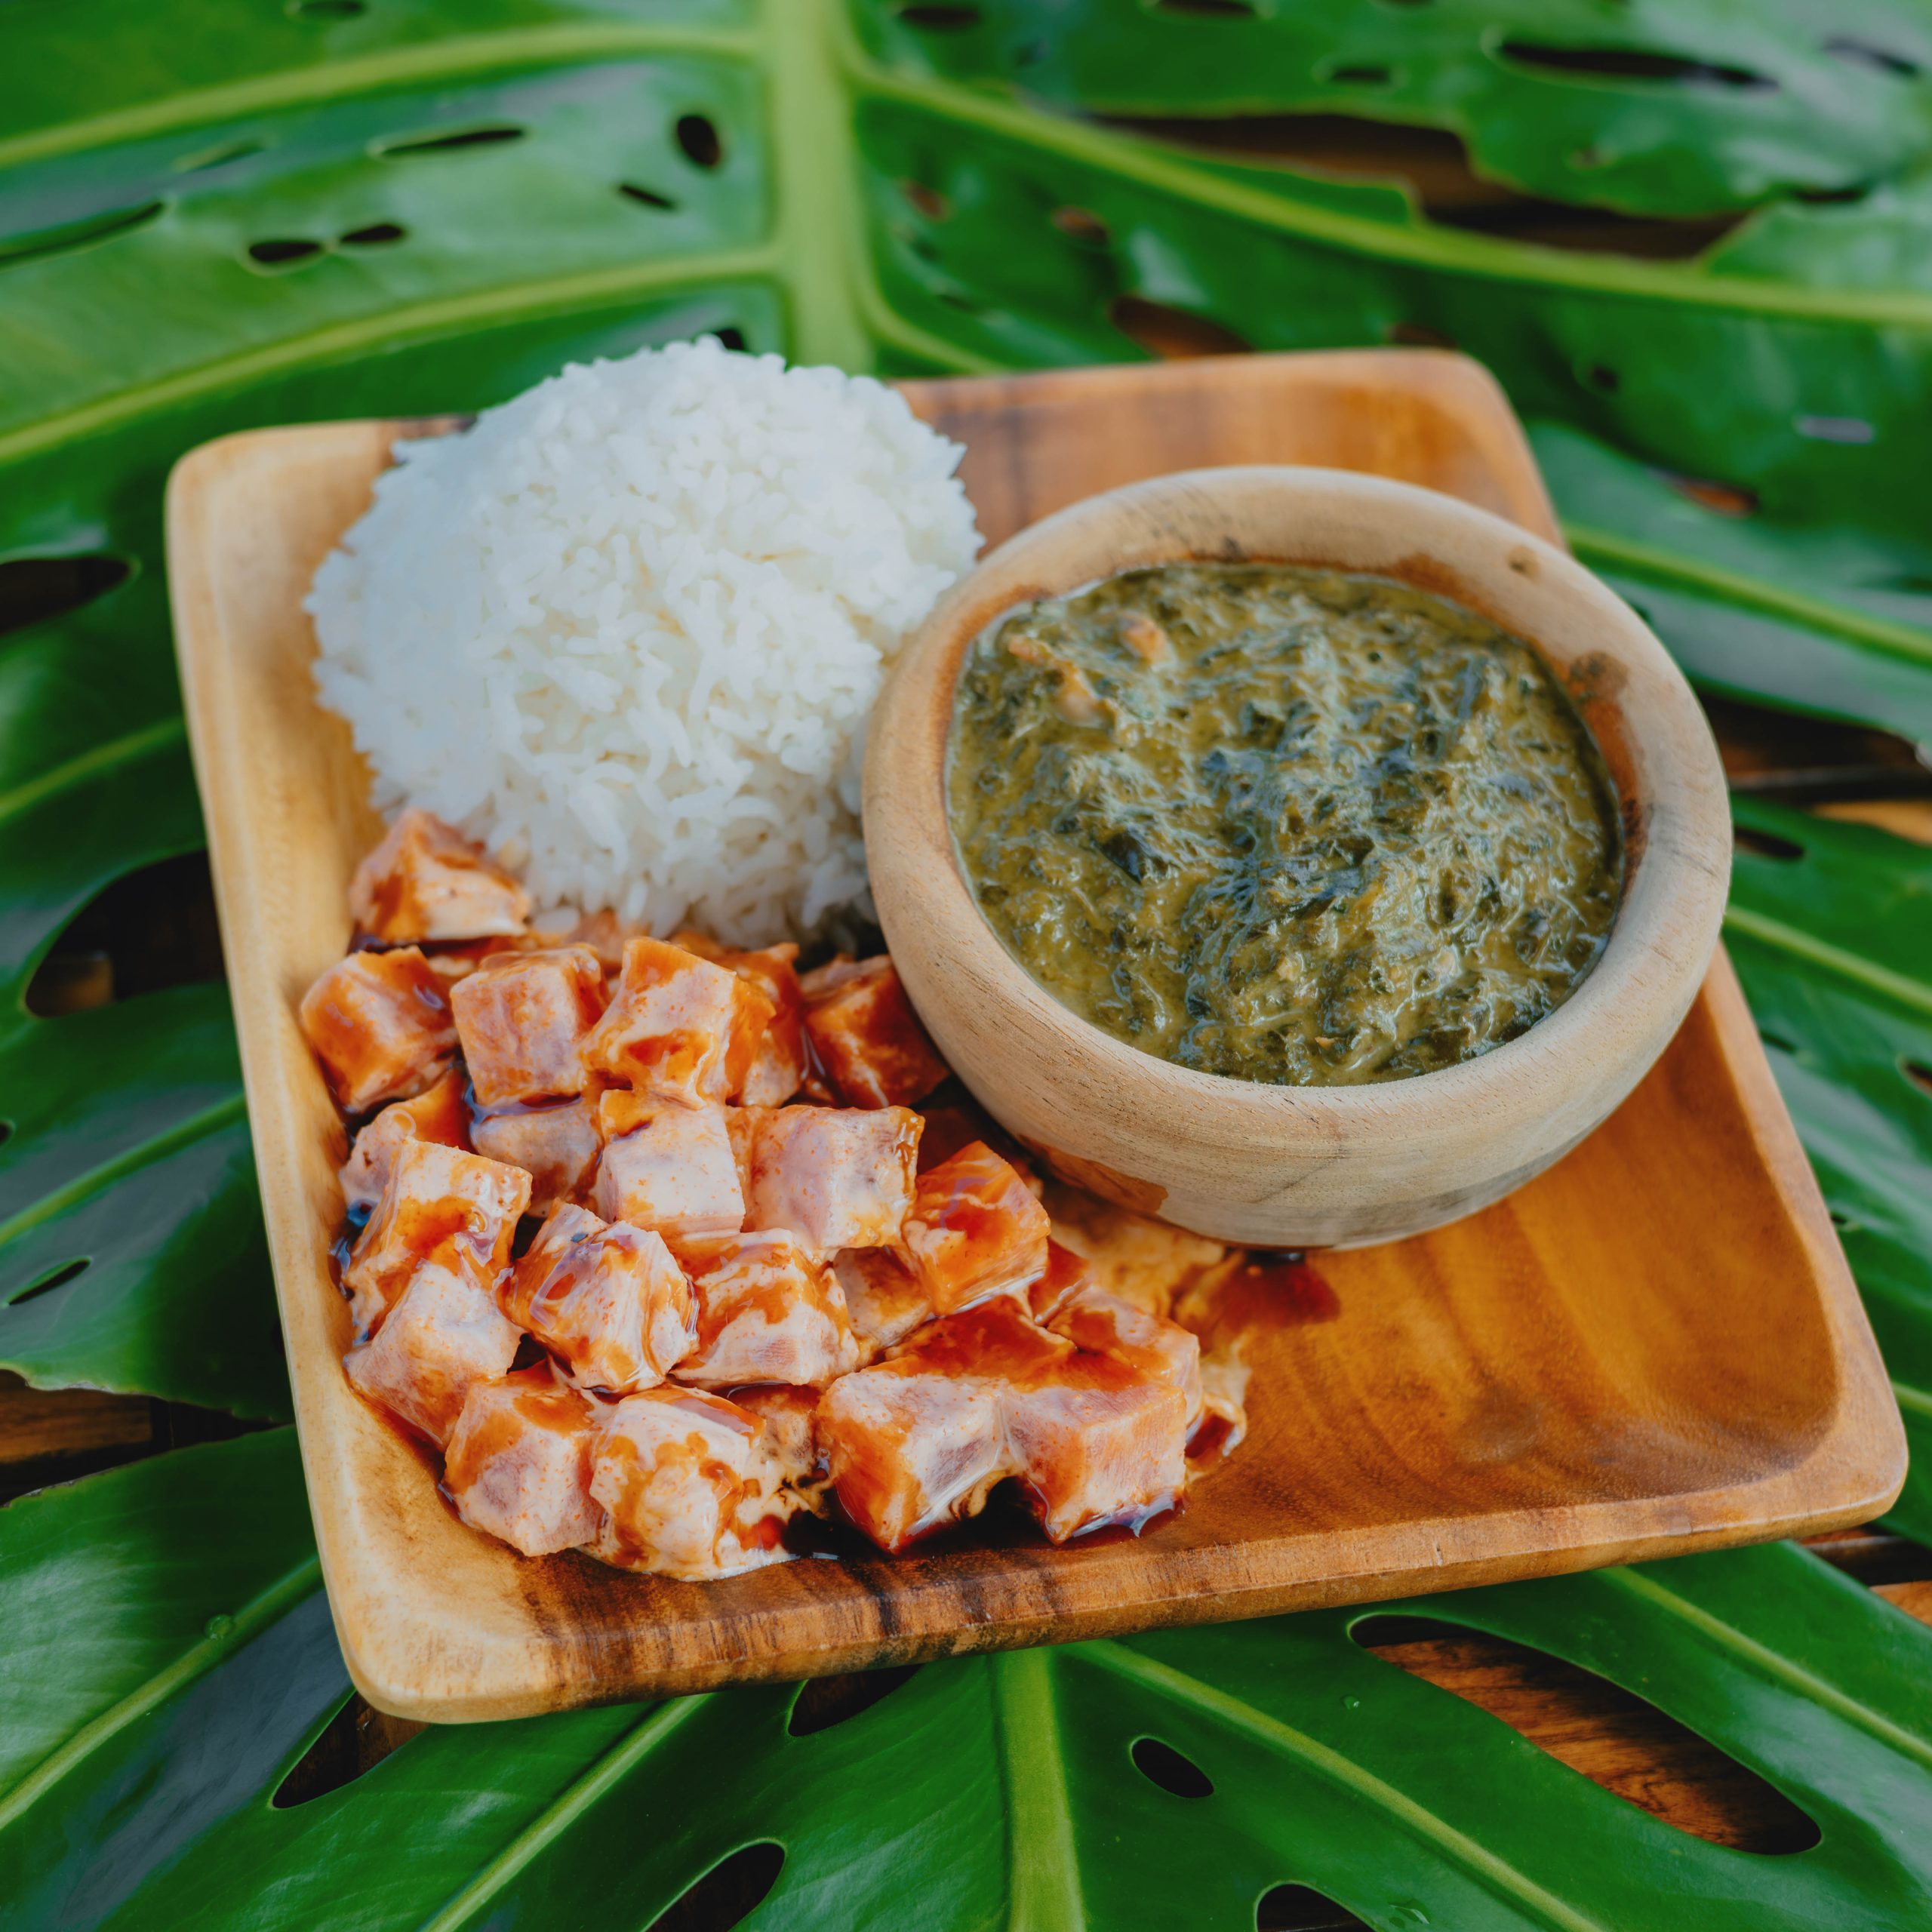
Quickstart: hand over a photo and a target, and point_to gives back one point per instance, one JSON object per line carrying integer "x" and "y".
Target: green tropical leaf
{"x": 1693, "y": 109}
{"x": 185, "y": 1664}
{"x": 1830, "y": 927}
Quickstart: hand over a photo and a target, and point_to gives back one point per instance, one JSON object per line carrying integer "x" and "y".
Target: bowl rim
{"x": 1679, "y": 861}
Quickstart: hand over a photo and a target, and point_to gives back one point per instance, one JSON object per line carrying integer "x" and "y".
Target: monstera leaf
{"x": 182, "y": 1662}
{"x": 213, "y": 220}
{"x": 1680, "y": 110}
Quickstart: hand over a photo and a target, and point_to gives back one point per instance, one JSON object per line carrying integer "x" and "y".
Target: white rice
{"x": 628, "y": 629}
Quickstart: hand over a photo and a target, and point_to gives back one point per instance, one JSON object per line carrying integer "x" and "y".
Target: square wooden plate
{"x": 1655, "y": 1347}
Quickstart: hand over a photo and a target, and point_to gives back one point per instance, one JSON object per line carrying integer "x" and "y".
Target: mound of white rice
{"x": 627, "y": 631}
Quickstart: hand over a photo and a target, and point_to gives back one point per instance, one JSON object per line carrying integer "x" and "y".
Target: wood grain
{"x": 1306, "y": 1167}
{"x": 1654, "y": 1347}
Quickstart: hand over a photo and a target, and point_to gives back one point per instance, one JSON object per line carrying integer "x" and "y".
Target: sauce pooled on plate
{"x": 1284, "y": 824}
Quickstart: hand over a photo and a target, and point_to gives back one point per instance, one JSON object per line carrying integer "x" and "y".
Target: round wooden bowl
{"x": 1303, "y": 1167}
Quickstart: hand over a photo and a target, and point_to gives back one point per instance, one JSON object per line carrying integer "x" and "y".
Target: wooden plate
{"x": 1654, "y": 1347}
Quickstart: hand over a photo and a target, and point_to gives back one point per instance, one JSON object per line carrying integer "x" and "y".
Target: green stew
{"x": 1287, "y": 825}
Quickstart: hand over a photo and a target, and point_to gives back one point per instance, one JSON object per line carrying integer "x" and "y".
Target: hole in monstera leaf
{"x": 39, "y": 242}
{"x": 731, "y": 1891}
{"x": 1161, "y": 1764}
{"x": 1208, "y": 10}
{"x": 1614, "y": 1738}
{"x": 376, "y": 236}
{"x": 928, "y": 202}
{"x": 1832, "y": 197}
{"x": 1726, "y": 499}
{"x": 1173, "y": 334}
{"x": 326, "y": 9}
{"x": 283, "y": 253}
{"x": 1360, "y": 76}
{"x": 1302, "y": 1908}
{"x": 1419, "y": 335}
{"x": 1918, "y": 1073}
{"x": 54, "y": 1278}
{"x": 932, "y": 17}
{"x": 1602, "y": 377}
{"x": 647, "y": 198}
{"x": 732, "y": 338}
{"x": 404, "y": 145}
{"x": 1765, "y": 845}
{"x": 1835, "y": 429}
{"x": 356, "y": 1739}
{"x": 1881, "y": 61}
{"x": 33, "y": 589}
{"x": 6, "y": 1132}
{"x": 1081, "y": 225}
{"x": 823, "y": 1701}
{"x": 698, "y": 136}
{"x": 1614, "y": 64}
{"x": 200, "y": 162}
{"x": 1797, "y": 760}
{"x": 151, "y": 929}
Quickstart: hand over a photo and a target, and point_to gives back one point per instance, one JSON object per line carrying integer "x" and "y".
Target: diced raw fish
{"x": 678, "y": 1027}
{"x": 606, "y": 935}
{"x": 521, "y": 1017}
{"x": 445, "y": 1334}
{"x": 1162, "y": 1350}
{"x": 908, "y": 1450}
{"x": 667, "y": 1168}
{"x": 606, "y": 1299}
{"x": 556, "y": 1145}
{"x": 835, "y": 1176}
{"x": 921, "y": 1437}
{"x": 518, "y": 1465}
{"x": 379, "y": 1023}
{"x": 1065, "y": 1274}
{"x": 438, "y": 1115}
{"x": 975, "y": 1230}
{"x": 786, "y": 1454}
{"x": 426, "y": 880}
{"x": 777, "y": 1069}
{"x": 1096, "y": 1442}
{"x": 680, "y": 1476}
{"x": 867, "y": 1037}
{"x": 885, "y": 1299}
{"x": 1142, "y": 1261}
{"x": 769, "y": 1310}
{"x": 441, "y": 1205}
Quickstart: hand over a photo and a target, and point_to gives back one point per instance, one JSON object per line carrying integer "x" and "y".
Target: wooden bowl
{"x": 1304, "y": 1167}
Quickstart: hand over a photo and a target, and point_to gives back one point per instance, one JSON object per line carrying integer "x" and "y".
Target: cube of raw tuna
{"x": 975, "y": 1230}
{"x": 518, "y": 1464}
{"x": 785, "y": 1458}
{"x": 679, "y": 1475}
{"x": 445, "y": 1334}
{"x": 557, "y": 1145}
{"x": 606, "y": 1299}
{"x": 667, "y": 1168}
{"x": 1160, "y": 1349}
{"x": 439, "y": 1114}
{"x": 919, "y": 1440}
{"x": 678, "y": 1028}
{"x": 768, "y": 1310}
{"x": 426, "y": 880}
{"x": 521, "y": 1017}
{"x": 921, "y": 1437}
{"x": 442, "y": 1205}
{"x": 885, "y": 1299}
{"x": 1095, "y": 1441}
{"x": 379, "y": 1023}
{"x": 835, "y": 1176}
{"x": 866, "y": 1035}
{"x": 777, "y": 1068}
